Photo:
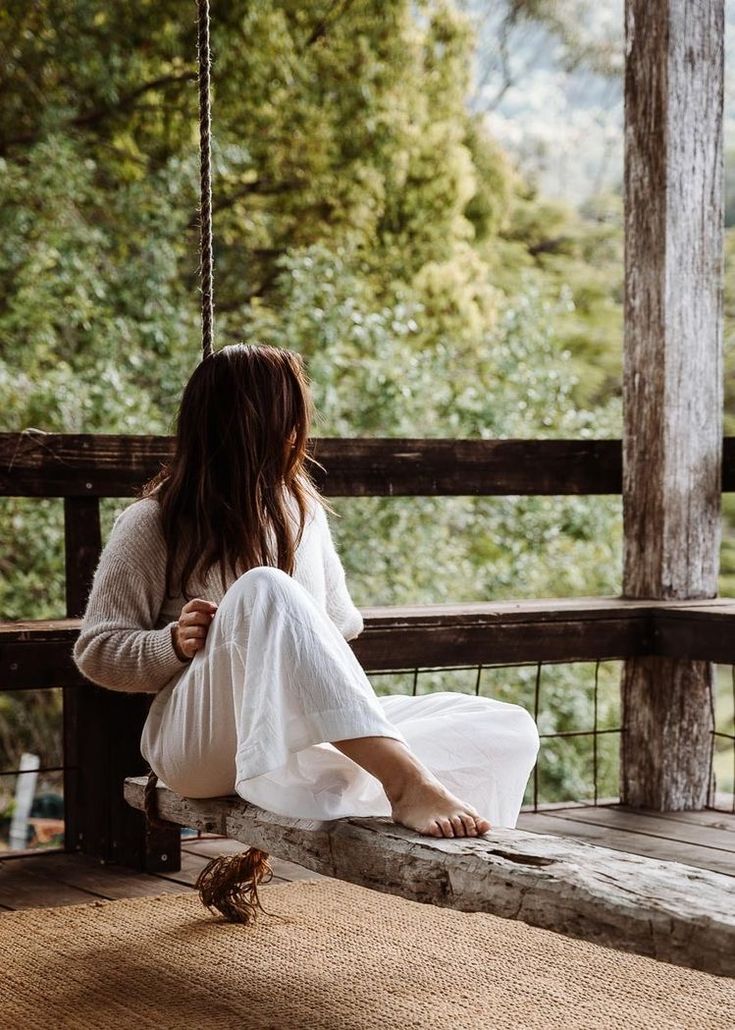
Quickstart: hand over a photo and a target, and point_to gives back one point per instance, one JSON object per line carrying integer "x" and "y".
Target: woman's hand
{"x": 190, "y": 632}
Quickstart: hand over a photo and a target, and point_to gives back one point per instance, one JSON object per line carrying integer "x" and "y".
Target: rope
{"x": 206, "y": 270}
{"x": 229, "y": 883}
{"x": 150, "y": 800}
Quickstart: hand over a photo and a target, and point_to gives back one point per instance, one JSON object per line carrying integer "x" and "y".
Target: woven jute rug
{"x": 332, "y": 956}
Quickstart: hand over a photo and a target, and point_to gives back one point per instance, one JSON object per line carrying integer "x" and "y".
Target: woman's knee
{"x": 529, "y": 740}
{"x": 264, "y": 577}
{"x": 262, "y": 581}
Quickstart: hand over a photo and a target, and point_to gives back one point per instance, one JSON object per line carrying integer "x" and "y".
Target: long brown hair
{"x": 234, "y": 467}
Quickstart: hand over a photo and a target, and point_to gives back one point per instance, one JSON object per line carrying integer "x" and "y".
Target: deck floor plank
{"x": 22, "y": 886}
{"x": 84, "y": 874}
{"x": 210, "y": 847}
{"x": 631, "y": 842}
{"x": 710, "y": 818}
{"x": 652, "y": 825}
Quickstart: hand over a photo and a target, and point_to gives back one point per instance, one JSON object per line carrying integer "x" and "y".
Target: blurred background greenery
{"x": 423, "y": 198}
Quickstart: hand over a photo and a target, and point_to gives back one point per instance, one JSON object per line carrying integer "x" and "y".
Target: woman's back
{"x": 125, "y": 640}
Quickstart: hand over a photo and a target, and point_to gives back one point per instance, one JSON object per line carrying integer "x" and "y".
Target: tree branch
{"x": 124, "y": 103}
{"x": 549, "y": 246}
{"x": 320, "y": 29}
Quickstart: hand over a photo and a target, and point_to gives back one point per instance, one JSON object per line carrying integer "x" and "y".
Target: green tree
{"x": 362, "y": 216}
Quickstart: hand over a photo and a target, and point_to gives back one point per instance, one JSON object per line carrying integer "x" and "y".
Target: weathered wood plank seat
{"x": 665, "y": 910}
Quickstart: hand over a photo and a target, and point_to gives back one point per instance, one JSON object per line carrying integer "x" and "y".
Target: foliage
{"x": 363, "y": 216}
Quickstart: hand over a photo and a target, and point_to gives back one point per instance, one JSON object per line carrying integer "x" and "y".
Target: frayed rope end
{"x": 229, "y": 884}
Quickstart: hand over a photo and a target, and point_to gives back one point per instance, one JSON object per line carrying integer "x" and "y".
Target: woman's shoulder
{"x": 137, "y": 536}
{"x": 316, "y": 516}
{"x": 313, "y": 508}
{"x": 142, "y": 512}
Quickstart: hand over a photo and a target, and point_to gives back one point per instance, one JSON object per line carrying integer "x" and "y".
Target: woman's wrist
{"x": 177, "y": 651}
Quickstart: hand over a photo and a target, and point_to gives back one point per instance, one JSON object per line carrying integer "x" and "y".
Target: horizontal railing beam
{"x": 705, "y": 633}
{"x": 57, "y": 465}
{"x": 38, "y": 654}
{"x": 34, "y": 464}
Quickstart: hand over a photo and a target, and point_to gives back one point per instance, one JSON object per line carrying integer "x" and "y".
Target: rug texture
{"x": 332, "y": 956}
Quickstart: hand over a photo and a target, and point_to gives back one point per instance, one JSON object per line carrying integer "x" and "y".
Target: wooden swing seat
{"x": 665, "y": 910}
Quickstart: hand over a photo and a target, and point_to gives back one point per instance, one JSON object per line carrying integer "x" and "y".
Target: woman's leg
{"x": 275, "y": 677}
{"x": 418, "y": 799}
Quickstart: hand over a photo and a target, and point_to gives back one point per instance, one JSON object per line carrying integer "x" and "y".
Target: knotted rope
{"x": 229, "y": 883}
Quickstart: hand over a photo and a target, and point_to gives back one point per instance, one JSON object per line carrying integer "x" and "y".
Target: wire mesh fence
{"x": 576, "y": 707}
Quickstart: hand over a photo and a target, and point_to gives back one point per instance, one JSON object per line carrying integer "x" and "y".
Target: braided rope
{"x": 206, "y": 270}
{"x": 229, "y": 883}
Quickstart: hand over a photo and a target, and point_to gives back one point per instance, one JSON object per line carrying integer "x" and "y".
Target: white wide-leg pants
{"x": 255, "y": 710}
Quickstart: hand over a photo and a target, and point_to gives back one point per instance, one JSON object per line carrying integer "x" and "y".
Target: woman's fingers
{"x": 193, "y": 625}
{"x": 191, "y": 644}
{"x": 198, "y": 604}
{"x": 195, "y": 618}
{"x": 193, "y": 632}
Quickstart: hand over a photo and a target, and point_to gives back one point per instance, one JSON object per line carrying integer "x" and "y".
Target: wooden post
{"x": 101, "y": 734}
{"x": 82, "y": 547}
{"x": 673, "y": 386}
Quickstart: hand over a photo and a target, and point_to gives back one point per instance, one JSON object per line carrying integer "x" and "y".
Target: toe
{"x": 458, "y": 825}
{"x": 482, "y": 825}
{"x": 469, "y": 825}
{"x": 446, "y": 826}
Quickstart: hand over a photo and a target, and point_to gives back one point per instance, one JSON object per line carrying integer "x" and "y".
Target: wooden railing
{"x": 36, "y": 654}
{"x": 102, "y": 728}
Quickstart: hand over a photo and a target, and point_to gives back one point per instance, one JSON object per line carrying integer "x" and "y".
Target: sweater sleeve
{"x": 118, "y": 646}
{"x": 340, "y": 606}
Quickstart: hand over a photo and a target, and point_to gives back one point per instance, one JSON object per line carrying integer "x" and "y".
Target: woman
{"x": 220, "y": 590}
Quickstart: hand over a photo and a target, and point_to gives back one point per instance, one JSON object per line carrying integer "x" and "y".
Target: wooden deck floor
{"x": 704, "y": 839}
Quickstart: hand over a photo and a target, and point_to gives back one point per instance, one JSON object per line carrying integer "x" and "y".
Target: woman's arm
{"x": 118, "y": 647}
{"x": 340, "y": 606}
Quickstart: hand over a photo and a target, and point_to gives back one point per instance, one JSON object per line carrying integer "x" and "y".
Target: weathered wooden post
{"x": 101, "y": 734}
{"x": 672, "y": 447}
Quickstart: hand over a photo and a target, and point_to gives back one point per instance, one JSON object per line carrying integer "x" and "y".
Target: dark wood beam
{"x": 38, "y": 654}
{"x": 59, "y": 465}
{"x": 55, "y": 465}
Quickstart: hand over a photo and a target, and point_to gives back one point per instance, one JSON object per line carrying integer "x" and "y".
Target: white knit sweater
{"x": 125, "y": 639}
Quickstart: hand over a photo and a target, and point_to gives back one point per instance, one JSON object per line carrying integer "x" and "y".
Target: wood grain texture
{"x": 667, "y": 733}
{"x": 673, "y": 379}
{"x": 715, "y": 859}
{"x": 50, "y": 465}
{"x": 666, "y": 910}
{"x": 673, "y": 386}
{"x": 38, "y": 654}
{"x": 83, "y": 748}
{"x": 43, "y": 880}
{"x": 657, "y": 826}
{"x": 34, "y": 464}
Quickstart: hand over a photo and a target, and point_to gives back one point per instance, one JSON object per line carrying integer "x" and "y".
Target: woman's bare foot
{"x": 418, "y": 800}
{"x": 429, "y": 808}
